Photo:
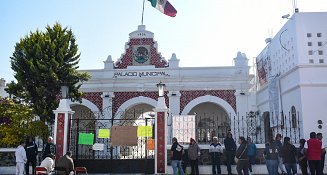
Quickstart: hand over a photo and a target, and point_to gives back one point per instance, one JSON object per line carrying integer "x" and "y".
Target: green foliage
{"x": 17, "y": 122}
{"x": 43, "y": 62}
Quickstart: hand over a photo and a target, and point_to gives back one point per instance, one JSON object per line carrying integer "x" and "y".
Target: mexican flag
{"x": 164, "y": 7}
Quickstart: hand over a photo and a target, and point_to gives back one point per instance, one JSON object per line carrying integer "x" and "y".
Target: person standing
{"x": 288, "y": 153}
{"x": 21, "y": 158}
{"x": 271, "y": 156}
{"x": 323, "y": 154}
{"x": 66, "y": 164}
{"x": 302, "y": 158}
{"x": 193, "y": 154}
{"x": 31, "y": 153}
{"x": 177, "y": 150}
{"x": 241, "y": 155}
{"x": 49, "y": 148}
{"x": 313, "y": 150}
{"x": 216, "y": 151}
{"x": 230, "y": 148}
{"x": 252, "y": 152}
{"x": 279, "y": 144}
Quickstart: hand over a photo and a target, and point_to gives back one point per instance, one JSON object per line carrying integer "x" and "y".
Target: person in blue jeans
{"x": 176, "y": 159}
{"x": 271, "y": 155}
{"x": 288, "y": 153}
{"x": 251, "y": 153}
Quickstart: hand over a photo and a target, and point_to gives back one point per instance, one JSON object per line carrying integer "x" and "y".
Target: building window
{"x": 294, "y": 120}
{"x": 311, "y": 61}
{"x": 308, "y": 35}
{"x": 319, "y": 43}
{"x": 320, "y": 52}
{"x": 309, "y": 43}
{"x": 321, "y": 60}
{"x": 319, "y": 35}
{"x": 310, "y": 52}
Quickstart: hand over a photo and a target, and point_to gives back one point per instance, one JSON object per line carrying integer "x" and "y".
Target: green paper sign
{"x": 144, "y": 131}
{"x": 104, "y": 133}
{"x": 85, "y": 139}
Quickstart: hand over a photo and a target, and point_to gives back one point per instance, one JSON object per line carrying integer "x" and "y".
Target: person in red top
{"x": 313, "y": 149}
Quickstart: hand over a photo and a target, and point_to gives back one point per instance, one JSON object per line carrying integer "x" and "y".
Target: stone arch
{"x": 134, "y": 101}
{"x": 208, "y": 98}
{"x": 86, "y": 103}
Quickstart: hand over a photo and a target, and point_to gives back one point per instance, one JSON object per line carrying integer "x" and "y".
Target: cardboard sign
{"x": 124, "y": 136}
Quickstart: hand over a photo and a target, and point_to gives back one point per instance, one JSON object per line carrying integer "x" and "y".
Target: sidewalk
{"x": 10, "y": 170}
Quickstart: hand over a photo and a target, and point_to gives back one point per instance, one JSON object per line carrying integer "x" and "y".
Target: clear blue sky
{"x": 204, "y": 33}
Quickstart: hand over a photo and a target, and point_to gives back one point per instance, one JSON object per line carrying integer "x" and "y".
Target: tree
{"x": 18, "y": 121}
{"x": 42, "y": 63}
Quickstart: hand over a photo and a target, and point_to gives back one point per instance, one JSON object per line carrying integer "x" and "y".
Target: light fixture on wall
{"x": 161, "y": 90}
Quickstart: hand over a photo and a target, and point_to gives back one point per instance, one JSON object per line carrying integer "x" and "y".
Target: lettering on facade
{"x": 141, "y": 74}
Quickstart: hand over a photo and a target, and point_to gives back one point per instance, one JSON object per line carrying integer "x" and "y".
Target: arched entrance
{"x": 210, "y": 120}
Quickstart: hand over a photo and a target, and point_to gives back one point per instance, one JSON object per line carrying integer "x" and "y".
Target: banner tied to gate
{"x": 85, "y": 138}
{"x": 144, "y": 131}
{"x": 104, "y": 133}
{"x": 150, "y": 144}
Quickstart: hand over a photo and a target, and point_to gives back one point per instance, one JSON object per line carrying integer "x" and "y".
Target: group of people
{"x": 283, "y": 156}
{"x": 27, "y": 152}
{"x": 311, "y": 153}
{"x": 245, "y": 153}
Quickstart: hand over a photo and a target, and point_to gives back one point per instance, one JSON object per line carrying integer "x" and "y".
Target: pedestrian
{"x": 216, "y": 151}
{"x": 21, "y": 158}
{"x": 193, "y": 155}
{"x": 65, "y": 164}
{"x": 49, "y": 148}
{"x": 288, "y": 153}
{"x": 323, "y": 154}
{"x": 271, "y": 156}
{"x": 279, "y": 144}
{"x": 242, "y": 165}
{"x": 177, "y": 150}
{"x": 302, "y": 158}
{"x": 31, "y": 153}
{"x": 313, "y": 150}
{"x": 230, "y": 147}
{"x": 48, "y": 163}
{"x": 252, "y": 152}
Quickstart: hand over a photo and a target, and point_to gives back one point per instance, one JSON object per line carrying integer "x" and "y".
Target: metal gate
{"x": 112, "y": 159}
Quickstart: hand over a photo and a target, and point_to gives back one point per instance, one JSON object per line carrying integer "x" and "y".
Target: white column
{"x": 242, "y": 107}
{"x": 62, "y": 123}
{"x": 161, "y": 137}
{"x": 107, "y": 98}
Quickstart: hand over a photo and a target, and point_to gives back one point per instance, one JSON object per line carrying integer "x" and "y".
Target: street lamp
{"x": 161, "y": 90}
{"x": 64, "y": 92}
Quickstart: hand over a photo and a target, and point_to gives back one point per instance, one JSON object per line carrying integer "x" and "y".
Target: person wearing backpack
{"x": 271, "y": 155}
{"x": 176, "y": 159}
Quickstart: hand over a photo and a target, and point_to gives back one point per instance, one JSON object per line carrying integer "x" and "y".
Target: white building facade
{"x": 215, "y": 94}
{"x": 292, "y": 78}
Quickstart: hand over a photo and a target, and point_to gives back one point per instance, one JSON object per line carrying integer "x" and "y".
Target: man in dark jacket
{"x": 288, "y": 153}
{"x": 31, "y": 154}
{"x": 271, "y": 156}
{"x": 176, "y": 159}
{"x": 49, "y": 148}
{"x": 230, "y": 148}
{"x": 241, "y": 155}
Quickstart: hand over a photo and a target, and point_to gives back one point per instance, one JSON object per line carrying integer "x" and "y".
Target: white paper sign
{"x": 98, "y": 147}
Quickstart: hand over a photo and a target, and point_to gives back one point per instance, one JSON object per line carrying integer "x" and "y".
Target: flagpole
{"x": 142, "y": 12}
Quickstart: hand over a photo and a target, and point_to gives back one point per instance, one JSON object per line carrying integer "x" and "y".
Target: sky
{"x": 203, "y": 33}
